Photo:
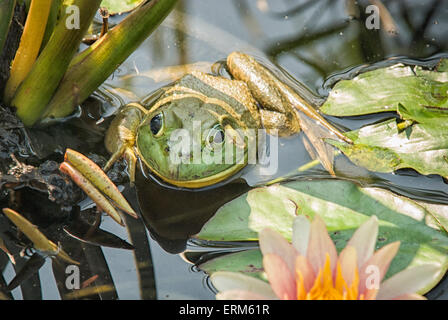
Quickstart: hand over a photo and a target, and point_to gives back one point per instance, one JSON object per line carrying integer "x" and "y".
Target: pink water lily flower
{"x": 311, "y": 269}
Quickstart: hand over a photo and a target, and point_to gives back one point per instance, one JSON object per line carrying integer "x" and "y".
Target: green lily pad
{"x": 344, "y": 206}
{"x": 370, "y": 157}
{"x": 382, "y": 90}
{"x": 425, "y": 114}
{"x": 120, "y": 6}
{"x": 384, "y": 147}
{"x": 247, "y": 261}
{"x": 440, "y": 75}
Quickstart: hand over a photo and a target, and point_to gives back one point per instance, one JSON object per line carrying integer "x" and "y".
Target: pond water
{"x": 310, "y": 45}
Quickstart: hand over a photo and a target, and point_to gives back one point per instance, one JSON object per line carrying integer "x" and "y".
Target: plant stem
{"x": 92, "y": 67}
{"x": 37, "y": 89}
{"x": 29, "y": 47}
{"x": 6, "y": 14}
{"x": 52, "y": 20}
{"x": 309, "y": 165}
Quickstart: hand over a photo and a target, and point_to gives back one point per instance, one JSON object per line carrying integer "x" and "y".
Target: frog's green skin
{"x": 221, "y": 104}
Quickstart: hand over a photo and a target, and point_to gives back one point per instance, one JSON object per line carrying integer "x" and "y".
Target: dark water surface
{"x": 314, "y": 42}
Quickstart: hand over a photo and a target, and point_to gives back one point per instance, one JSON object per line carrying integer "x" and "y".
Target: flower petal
{"x": 301, "y": 234}
{"x": 348, "y": 263}
{"x": 281, "y": 279}
{"x": 410, "y": 296}
{"x": 273, "y": 242}
{"x": 408, "y": 281}
{"x": 306, "y": 271}
{"x": 239, "y": 295}
{"x": 364, "y": 240}
{"x": 234, "y": 281}
{"x": 373, "y": 271}
{"x": 320, "y": 244}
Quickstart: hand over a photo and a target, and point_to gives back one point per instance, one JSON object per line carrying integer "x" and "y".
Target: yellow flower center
{"x": 327, "y": 288}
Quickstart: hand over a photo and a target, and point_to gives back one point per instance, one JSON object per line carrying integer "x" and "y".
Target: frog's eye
{"x": 156, "y": 124}
{"x": 216, "y": 136}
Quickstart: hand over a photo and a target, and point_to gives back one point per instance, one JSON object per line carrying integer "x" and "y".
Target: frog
{"x": 223, "y": 110}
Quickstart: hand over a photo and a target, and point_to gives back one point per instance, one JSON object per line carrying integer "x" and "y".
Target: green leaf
{"x": 441, "y": 73}
{"x": 344, "y": 206}
{"x": 425, "y": 114}
{"x": 6, "y": 14}
{"x": 247, "y": 261}
{"x": 120, "y": 6}
{"x": 382, "y": 90}
{"x": 385, "y": 147}
{"x": 91, "y": 67}
{"x": 370, "y": 157}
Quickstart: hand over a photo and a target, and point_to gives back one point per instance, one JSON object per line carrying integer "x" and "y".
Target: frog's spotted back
{"x": 217, "y": 95}
{"x": 235, "y": 89}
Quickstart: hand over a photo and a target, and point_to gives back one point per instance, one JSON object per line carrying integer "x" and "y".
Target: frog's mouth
{"x": 200, "y": 182}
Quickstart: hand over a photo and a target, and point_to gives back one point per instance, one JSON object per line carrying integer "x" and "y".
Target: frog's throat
{"x": 202, "y": 182}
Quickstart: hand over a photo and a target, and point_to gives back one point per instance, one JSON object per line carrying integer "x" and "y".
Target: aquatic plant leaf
{"x": 93, "y": 173}
{"x": 424, "y": 114}
{"x": 40, "y": 241}
{"x": 94, "y": 194}
{"x": 120, "y": 6}
{"x": 441, "y": 74}
{"x": 83, "y": 231}
{"x": 382, "y": 90}
{"x": 246, "y": 261}
{"x": 30, "y": 268}
{"x": 88, "y": 291}
{"x": 370, "y": 157}
{"x": 385, "y": 147}
{"x": 344, "y": 206}
{"x": 439, "y": 214}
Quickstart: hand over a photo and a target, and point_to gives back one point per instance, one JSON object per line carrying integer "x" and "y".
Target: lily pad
{"x": 440, "y": 75}
{"x": 344, "y": 206}
{"x": 382, "y": 90}
{"x": 247, "y": 261}
{"x": 425, "y": 114}
{"x": 120, "y": 6}
{"x": 385, "y": 147}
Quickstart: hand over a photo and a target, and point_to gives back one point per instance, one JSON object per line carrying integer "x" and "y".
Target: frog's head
{"x": 191, "y": 140}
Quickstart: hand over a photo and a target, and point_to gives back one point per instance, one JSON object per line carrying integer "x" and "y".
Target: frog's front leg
{"x": 120, "y": 137}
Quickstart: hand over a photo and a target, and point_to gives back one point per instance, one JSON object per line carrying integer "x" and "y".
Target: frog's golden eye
{"x": 156, "y": 124}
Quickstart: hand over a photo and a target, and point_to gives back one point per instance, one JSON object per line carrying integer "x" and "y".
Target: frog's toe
{"x": 114, "y": 158}
{"x": 130, "y": 158}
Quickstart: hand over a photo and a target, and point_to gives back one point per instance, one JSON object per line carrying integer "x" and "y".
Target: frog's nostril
{"x": 156, "y": 124}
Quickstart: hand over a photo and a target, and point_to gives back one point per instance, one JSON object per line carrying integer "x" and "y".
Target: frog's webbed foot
{"x": 96, "y": 184}
{"x": 120, "y": 137}
{"x": 131, "y": 160}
